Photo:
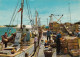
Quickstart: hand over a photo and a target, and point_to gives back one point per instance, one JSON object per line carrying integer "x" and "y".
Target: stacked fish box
{"x": 56, "y": 26}
{"x": 64, "y": 46}
{"x": 73, "y": 44}
{"x": 70, "y": 45}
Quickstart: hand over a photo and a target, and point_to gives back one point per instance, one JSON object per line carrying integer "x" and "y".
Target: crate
{"x": 70, "y": 44}
{"x": 70, "y": 41}
{"x": 76, "y": 47}
{"x": 70, "y": 47}
{"x": 75, "y": 40}
{"x": 73, "y": 44}
{"x": 75, "y": 54}
{"x": 76, "y": 44}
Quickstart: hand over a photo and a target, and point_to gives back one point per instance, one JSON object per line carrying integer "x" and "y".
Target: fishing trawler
{"x": 20, "y": 47}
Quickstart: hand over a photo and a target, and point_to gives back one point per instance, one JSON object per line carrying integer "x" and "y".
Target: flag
{"x": 19, "y": 10}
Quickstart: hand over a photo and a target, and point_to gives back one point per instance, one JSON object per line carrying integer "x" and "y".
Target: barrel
{"x": 48, "y": 53}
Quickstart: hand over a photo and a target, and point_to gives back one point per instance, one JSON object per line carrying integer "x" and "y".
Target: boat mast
{"x": 22, "y": 3}
{"x": 70, "y": 10}
{"x": 36, "y": 16}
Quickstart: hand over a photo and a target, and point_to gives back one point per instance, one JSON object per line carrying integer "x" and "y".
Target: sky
{"x": 44, "y": 8}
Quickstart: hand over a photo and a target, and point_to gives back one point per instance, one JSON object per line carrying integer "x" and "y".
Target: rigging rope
{"x": 14, "y": 18}
{"x": 17, "y": 19}
{"x": 29, "y": 12}
{"x": 13, "y": 15}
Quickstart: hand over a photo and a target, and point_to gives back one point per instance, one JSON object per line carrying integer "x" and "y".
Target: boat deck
{"x": 21, "y": 52}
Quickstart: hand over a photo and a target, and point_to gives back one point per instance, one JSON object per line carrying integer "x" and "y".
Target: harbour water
{"x": 9, "y": 31}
